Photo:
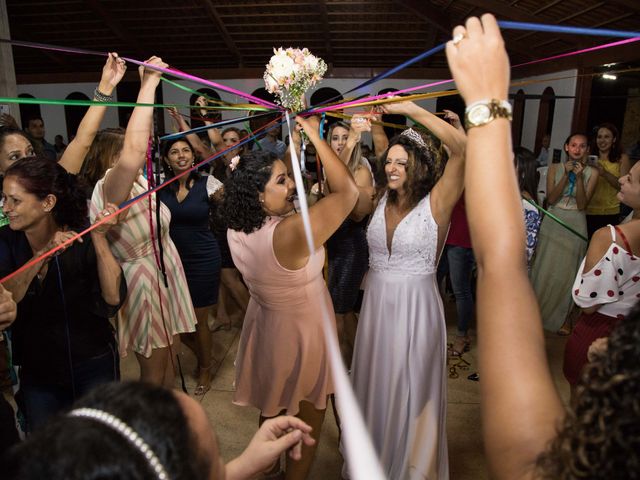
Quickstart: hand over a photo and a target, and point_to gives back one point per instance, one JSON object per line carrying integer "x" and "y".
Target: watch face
{"x": 479, "y": 114}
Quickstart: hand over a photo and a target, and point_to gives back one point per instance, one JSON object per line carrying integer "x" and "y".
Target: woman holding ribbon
{"x": 159, "y": 307}
{"x": 62, "y": 338}
{"x": 282, "y": 364}
{"x": 528, "y": 432}
{"x": 398, "y": 369}
{"x": 570, "y": 186}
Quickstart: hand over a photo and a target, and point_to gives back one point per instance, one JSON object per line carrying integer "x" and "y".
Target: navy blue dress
{"x": 196, "y": 244}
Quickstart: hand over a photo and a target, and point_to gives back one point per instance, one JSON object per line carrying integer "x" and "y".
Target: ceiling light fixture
{"x": 608, "y": 76}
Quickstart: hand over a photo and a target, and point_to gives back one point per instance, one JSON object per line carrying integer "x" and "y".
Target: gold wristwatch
{"x": 484, "y": 111}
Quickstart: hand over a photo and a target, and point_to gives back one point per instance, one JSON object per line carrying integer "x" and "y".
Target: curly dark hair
{"x": 241, "y": 207}
{"x": 600, "y": 435}
{"x": 42, "y": 176}
{"x": 422, "y": 170}
{"x": 80, "y": 448}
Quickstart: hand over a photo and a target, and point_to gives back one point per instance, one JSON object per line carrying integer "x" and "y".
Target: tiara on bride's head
{"x": 415, "y": 137}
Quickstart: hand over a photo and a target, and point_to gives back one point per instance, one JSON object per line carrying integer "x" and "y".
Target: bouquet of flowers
{"x": 290, "y": 73}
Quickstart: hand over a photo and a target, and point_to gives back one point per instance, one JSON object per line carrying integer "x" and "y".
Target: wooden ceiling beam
{"x": 117, "y": 29}
{"x": 212, "y": 11}
{"x": 324, "y": 19}
{"x": 632, "y": 5}
{"x": 426, "y": 11}
{"x": 501, "y": 9}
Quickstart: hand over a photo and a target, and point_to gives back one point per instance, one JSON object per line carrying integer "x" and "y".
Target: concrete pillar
{"x": 7, "y": 70}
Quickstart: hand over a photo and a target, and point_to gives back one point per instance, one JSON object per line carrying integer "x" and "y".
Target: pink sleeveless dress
{"x": 282, "y": 358}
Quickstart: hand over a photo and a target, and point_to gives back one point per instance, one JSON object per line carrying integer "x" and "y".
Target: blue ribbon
{"x": 541, "y": 27}
{"x": 173, "y": 136}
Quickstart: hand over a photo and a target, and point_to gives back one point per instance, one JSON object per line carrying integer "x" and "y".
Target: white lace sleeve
{"x": 213, "y": 185}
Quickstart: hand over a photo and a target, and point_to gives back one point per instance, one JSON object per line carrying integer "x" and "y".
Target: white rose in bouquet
{"x": 290, "y": 73}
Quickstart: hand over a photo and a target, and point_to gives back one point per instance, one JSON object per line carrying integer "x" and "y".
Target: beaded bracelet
{"x": 101, "y": 97}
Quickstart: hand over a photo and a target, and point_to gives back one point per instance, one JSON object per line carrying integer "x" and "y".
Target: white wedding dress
{"x": 398, "y": 369}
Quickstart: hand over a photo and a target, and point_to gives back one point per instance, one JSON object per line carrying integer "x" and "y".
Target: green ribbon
{"x": 556, "y": 219}
{"x": 89, "y": 103}
{"x": 226, "y": 106}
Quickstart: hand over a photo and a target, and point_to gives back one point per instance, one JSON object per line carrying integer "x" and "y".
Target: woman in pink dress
{"x": 282, "y": 364}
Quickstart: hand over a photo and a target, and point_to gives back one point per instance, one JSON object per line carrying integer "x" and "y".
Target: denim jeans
{"x": 461, "y": 263}
{"x": 41, "y": 402}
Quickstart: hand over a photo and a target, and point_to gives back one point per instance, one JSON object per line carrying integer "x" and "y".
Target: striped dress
{"x": 152, "y": 313}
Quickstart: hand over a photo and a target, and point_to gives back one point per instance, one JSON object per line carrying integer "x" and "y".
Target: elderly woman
{"x": 62, "y": 338}
{"x": 282, "y": 364}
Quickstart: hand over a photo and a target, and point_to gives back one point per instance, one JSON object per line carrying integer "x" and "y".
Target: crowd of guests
{"x": 158, "y": 268}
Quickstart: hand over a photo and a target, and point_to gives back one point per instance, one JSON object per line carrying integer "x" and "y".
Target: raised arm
{"x": 75, "y": 153}
{"x": 447, "y": 191}
{"x": 362, "y": 176}
{"x": 380, "y": 140}
{"x": 520, "y": 408}
{"x": 193, "y": 138}
{"x": 327, "y": 214}
{"x": 213, "y": 133}
{"x": 119, "y": 180}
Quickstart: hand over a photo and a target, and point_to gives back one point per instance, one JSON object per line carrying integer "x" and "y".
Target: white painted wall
{"x": 563, "y": 113}
{"x": 53, "y": 115}
{"x": 55, "y": 122}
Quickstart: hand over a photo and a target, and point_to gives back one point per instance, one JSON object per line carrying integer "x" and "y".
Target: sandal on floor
{"x": 459, "y": 346}
{"x": 202, "y": 388}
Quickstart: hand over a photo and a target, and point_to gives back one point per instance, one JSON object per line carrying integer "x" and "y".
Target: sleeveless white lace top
{"x": 414, "y": 245}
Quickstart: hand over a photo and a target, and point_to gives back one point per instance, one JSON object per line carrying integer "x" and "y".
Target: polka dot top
{"x": 614, "y": 282}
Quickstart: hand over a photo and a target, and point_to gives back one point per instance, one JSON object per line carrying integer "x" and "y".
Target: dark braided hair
{"x": 41, "y": 176}
{"x": 241, "y": 207}
{"x": 600, "y": 435}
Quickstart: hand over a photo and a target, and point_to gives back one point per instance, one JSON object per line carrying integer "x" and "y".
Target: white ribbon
{"x": 362, "y": 459}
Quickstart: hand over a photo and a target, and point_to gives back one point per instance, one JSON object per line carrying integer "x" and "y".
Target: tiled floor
{"x": 235, "y": 425}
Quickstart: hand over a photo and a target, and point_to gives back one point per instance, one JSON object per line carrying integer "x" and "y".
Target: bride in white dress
{"x": 398, "y": 369}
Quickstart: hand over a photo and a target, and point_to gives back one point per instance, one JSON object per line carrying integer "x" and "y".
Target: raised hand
{"x": 360, "y": 123}
{"x": 453, "y": 119}
{"x": 478, "y": 60}
{"x": 148, "y": 76}
{"x": 202, "y": 102}
{"x": 112, "y": 72}
{"x": 398, "y": 108}
{"x": 7, "y": 120}
{"x": 310, "y": 125}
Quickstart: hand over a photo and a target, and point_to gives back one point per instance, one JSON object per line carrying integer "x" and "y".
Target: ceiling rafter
{"x": 115, "y": 27}
{"x": 513, "y": 13}
{"x": 324, "y": 16}
{"x": 212, "y": 11}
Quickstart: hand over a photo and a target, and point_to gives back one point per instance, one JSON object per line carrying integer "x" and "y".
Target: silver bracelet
{"x": 98, "y": 96}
